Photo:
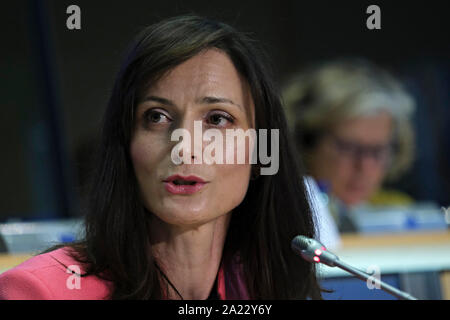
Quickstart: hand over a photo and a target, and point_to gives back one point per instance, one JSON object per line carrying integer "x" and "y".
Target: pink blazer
{"x": 50, "y": 276}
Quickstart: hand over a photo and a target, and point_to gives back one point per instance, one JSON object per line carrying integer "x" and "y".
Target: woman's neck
{"x": 189, "y": 257}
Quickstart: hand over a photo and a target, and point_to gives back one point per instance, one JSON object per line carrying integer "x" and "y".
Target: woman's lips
{"x": 177, "y": 184}
{"x": 183, "y": 189}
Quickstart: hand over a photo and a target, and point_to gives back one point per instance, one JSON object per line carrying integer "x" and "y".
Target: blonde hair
{"x": 331, "y": 92}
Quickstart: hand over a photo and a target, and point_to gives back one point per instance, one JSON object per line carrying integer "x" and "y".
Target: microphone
{"x": 313, "y": 251}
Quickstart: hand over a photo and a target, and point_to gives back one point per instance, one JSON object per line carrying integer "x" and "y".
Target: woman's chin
{"x": 186, "y": 217}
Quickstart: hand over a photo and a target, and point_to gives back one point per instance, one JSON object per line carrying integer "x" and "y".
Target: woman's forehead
{"x": 210, "y": 73}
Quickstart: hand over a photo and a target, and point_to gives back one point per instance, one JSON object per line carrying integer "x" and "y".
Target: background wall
{"x": 54, "y": 82}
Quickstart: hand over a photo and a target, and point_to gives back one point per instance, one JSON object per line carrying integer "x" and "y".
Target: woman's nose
{"x": 192, "y": 136}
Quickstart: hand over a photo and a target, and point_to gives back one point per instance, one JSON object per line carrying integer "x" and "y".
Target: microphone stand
{"x": 383, "y": 285}
{"x": 313, "y": 251}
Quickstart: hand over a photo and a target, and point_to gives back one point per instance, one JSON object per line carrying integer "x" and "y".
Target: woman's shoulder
{"x": 52, "y": 275}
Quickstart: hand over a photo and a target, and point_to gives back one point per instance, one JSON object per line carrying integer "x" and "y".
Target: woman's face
{"x": 353, "y": 157}
{"x": 205, "y": 88}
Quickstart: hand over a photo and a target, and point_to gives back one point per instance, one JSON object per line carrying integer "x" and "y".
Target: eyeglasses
{"x": 356, "y": 151}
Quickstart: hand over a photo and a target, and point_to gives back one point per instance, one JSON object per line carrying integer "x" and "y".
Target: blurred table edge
{"x": 358, "y": 240}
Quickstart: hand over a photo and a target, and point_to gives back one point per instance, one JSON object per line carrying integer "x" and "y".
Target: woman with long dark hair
{"x": 158, "y": 229}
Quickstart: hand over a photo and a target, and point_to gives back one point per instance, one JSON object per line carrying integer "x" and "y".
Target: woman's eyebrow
{"x": 212, "y": 100}
{"x": 203, "y": 100}
{"x": 164, "y": 101}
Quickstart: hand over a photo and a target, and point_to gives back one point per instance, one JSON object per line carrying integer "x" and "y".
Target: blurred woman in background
{"x": 351, "y": 121}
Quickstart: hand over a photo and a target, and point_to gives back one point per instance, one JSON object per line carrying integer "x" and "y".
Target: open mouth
{"x": 177, "y": 184}
{"x": 183, "y": 182}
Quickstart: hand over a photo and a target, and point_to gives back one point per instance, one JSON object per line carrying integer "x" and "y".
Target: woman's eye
{"x": 153, "y": 116}
{"x": 219, "y": 119}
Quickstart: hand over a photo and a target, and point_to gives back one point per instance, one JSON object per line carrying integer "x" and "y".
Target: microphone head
{"x": 313, "y": 251}
{"x": 303, "y": 243}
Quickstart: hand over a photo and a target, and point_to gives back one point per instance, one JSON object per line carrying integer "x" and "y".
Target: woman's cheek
{"x": 137, "y": 154}
{"x": 145, "y": 156}
{"x": 233, "y": 182}
{"x": 145, "y": 150}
